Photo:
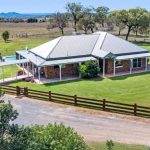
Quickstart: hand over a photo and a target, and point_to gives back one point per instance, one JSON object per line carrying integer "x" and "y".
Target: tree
{"x": 36, "y": 137}
{"x": 101, "y": 14}
{"x": 61, "y": 21}
{"x": 136, "y": 18}
{"x": 110, "y": 144}
{"x": 32, "y": 20}
{"x": 75, "y": 10}
{"x": 7, "y": 115}
{"x": 50, "y": 137}
{"x": 87, "y": 21}
{"x": 133, "y": 19}
{"x": 116, "y": 17}
{"x": 5, "y": 35}
{"x": 89, "y": 69}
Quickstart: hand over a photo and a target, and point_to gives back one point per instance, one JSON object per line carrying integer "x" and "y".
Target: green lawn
{"x": 126, "y": 89}
{"x": 145, "y": 45}
{"x": 102, "y": 146}
{"x": 10, "y": 47}
{"x": 8, "y": 71}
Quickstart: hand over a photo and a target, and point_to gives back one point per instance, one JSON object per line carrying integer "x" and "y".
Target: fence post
{"x": 104, "y": 104}
{"x": 50, "y": 95}
{"x": 75, "y": 100}
{"x": 17, "y": 90}
{"x": 25, "y": 92}
{"x": 135, "y": 109}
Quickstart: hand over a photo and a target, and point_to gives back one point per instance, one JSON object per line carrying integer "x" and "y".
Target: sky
{"x": 51, "y": 6}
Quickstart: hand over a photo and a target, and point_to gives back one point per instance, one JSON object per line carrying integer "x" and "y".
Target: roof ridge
{"x": 103, "y": 40}
{"x": 98, "y": 40}
{"x": 54, "y": 47}
{"x": 95, "y": 43}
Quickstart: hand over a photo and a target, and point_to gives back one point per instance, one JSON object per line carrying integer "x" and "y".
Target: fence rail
{"x": 75, "y": 100}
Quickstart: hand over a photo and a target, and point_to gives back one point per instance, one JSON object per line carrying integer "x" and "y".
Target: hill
{"x": 19, "y": 15}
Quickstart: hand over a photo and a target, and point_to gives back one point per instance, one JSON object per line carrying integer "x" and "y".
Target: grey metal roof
{"x": 13, "y": 62}
{"x": 31, "y": 57}
{"x": 38, "y": 61}
{"x": 67, "y": 61}
{"x": 119, "y": 46}
{"x": 45, "y": 49}
{"x": 75, "y": 48}
{"x": 99, "y": 44}
{"x": 69, "y": 46}
{"x": 142, "y": 55}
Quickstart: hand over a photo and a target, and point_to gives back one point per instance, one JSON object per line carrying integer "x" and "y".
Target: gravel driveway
{"x": 92, "y": 125}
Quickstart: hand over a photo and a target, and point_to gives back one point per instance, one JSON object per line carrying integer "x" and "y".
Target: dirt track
{"x": 92, "y": 125}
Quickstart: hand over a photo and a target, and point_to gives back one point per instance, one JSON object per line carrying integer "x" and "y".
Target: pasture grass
{"x": 125, "y": 89}
{"x": 118, "y": 146}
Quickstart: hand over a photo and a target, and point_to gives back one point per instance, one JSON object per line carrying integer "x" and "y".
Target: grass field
{"x": 126, "y": 89}
{"x": 10, "y": 47}
{"x": 145, "y": 45}
{"x": 8, "y": 71}
{"x": 38, "y": 34}
{"x": 102, "y": 146}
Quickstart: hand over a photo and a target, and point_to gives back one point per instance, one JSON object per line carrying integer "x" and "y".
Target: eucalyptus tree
{"x": 116, "y": 17}
{"x": 101, "y": 14}
{"x": 135, "y": 18}
{"x": 75, "y": 10}
{"x": 87, "y": 21}
{"x": 61, "y": 20}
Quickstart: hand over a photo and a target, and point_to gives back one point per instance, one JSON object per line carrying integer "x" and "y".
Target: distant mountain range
{"x": 19, "y": 15}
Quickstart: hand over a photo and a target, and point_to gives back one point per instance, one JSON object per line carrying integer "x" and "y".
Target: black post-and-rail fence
{"x": 105, "y": 105}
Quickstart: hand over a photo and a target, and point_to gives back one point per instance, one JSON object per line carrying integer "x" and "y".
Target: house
{"x": 62, "y": 56}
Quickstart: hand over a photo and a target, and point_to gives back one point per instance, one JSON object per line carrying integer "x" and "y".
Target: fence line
{"x": 75, "y": 100}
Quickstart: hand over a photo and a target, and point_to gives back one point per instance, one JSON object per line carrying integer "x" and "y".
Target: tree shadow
{"x": 73, "y": 81}
{"x": 8, "y": 41}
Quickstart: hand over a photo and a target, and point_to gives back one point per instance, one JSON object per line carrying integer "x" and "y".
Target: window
{"x": 56, "y": 67}
{"x": 137, "y": 63}
{"x": 119, "y": 64}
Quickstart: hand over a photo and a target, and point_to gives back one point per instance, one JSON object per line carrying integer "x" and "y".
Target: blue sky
{"x": 34, "y": 6}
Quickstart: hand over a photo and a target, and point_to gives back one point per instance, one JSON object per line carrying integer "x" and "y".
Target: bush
{"x": 110, "y": 144}
{"x": 89, "y": 69}
{"x": 37, "y": 137}
{"x": 50, "y": 137}
{"x": 5, "y": 35}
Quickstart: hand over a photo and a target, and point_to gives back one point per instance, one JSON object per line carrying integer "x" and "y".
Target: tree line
{"x": 90, "y": 19}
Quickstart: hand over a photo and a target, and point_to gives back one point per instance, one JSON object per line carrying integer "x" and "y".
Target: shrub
{"x": 89, "y": 69}
{"x": 48, "y": 137}
{"x": 5, "y": 35}
{"x": 110, "y": 145}
{"x": 36, "y": 137}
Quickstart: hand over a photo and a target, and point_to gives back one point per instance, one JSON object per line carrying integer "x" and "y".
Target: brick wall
{"x": 68, "y": 71}
{"x": 125, "y": 68}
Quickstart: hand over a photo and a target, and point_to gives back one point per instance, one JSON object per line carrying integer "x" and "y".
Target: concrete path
{"x": 92, "y": 125}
